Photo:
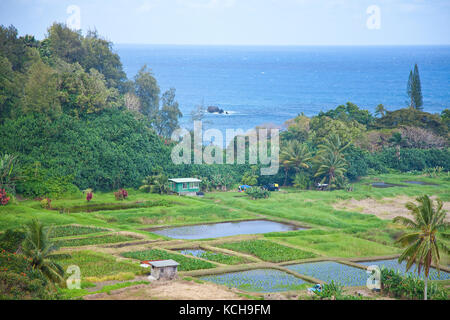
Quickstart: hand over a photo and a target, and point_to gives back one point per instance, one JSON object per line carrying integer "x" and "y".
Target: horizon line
{"x": 279, "y": 45}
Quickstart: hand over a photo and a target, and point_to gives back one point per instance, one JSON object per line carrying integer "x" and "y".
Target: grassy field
{"x": 93, "y": 240}
{"x": 334, "y": 233}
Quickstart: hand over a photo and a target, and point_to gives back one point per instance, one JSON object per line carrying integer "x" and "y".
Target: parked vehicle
{"x": 316, "y": 288}
{"x": 244, "y": 187}
{"x": 271, "y": 187}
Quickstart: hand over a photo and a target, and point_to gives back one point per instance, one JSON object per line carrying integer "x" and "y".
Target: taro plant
{"x": 424, "y": 240}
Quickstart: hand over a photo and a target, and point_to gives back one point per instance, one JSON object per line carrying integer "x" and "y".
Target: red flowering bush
{"x": 121, "y": 194}
{"x": 4, "y": 199}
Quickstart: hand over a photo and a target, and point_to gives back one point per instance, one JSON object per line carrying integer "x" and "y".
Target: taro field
{"x": 401, "y": 267}
{"x": 214, "y": 256}
{"x": 186, "y": 263}
{"x": 259, "y": 280}
{"x": 328, "y": 271}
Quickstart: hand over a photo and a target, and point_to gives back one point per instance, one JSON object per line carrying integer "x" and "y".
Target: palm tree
{"x": 380, "y": 110}
{"x": 39, "y": 248}
{"x": 335, "y": 145}
{"x": 423, "y": 242}
{"x": 331, "y": 166}
{"x": 295, "y": 155}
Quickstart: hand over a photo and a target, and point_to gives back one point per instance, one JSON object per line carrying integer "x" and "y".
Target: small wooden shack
{"x": 162, "y": 269}
{"x": 185, "y": 186}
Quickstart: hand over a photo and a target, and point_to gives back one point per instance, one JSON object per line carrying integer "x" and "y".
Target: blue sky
{"x": 242, "y": 22}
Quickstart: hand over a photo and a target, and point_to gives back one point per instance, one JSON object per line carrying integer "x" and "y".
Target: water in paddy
{"x": 225, "y": 229}
{"x": 193, "y": 252}
{"x": 385, "y": 185}
{"x": 393, "y": 264}
{"x": 328, "y": 271}
{"x": 259, "y": 280}
{"x": 421, "y": 183}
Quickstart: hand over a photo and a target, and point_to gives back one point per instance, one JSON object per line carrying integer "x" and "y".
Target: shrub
{"x": 11, "y": 240}
{"x": 330, "y": 290}
{"x": 257, "y": 193}
{"x": 121, "y": 194}
{"x": 393, "y": 283}
{"x": 4, "y": 199}
{"x": 46, "y": 203}
{"x": 19, "y": 280}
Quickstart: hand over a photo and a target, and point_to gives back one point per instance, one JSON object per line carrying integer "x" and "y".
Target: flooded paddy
{"x": 329, "y": 270}
{"x": 422, "y": 183}
{"x": 259, "y": 280}
{"x": 386, "y": 185}
{"x": 393, "y": 264}
{"x": 224, "y": 229}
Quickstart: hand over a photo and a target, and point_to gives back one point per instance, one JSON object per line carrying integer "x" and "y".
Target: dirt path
{"x": 387, "y": 208}
{"x": 174, "y": 290}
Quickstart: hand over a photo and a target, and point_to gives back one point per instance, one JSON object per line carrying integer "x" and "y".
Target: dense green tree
{"x": 167, "y": 120}
{"x": 12, "y": 47}
{"x": 423, "y": 241}
{"x": 101, "y": 151}
{"x": 65, "y": 43}
{"x": 84, "y": 93}
{"x": 98, "y": 55}
{"x": 41, "y": 93}
{"x": 9, "y": 93}
{"x": 147, "y": 90}
{"x": 414, "y": 89}
{"x": 349, "y": 112}
{"x": 445, "y": 116}
{"x": 324, "y": 126}
{"x": 413, "y": 118}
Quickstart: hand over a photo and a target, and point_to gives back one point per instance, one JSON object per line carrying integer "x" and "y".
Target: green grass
{"x": 339, "y": 245}
{"x": 268, "y": 250}
{"x": 71, "y": 230}
{"x": 94, "y": 240}
{"x": 186, "y": 263}
{"x": 96, "y": 264}
{"x": 78, "y": 293}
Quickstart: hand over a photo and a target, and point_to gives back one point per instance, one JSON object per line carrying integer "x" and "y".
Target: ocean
{"x": 261, "y": 85}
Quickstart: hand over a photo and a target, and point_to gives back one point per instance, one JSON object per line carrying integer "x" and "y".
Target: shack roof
{"x": 161, "y": 263}
{"x": 185, "y": 180}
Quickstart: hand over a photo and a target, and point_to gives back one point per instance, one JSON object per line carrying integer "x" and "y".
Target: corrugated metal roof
{"x": 162, "y": 263}
{"x": 185, "y": 180}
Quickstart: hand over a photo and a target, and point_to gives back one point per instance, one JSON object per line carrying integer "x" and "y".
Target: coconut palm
{"x": 294, "y": 155}
{"x": 380, "y": 110}
{"x": 335, "y": 145}
{"x": 424, "y": 241}
{"x": 38, "y": 247}
{"x": 332, "y": 167}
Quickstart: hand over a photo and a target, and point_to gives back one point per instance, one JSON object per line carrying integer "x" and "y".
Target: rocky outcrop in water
{"x": 215, "y": 109}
